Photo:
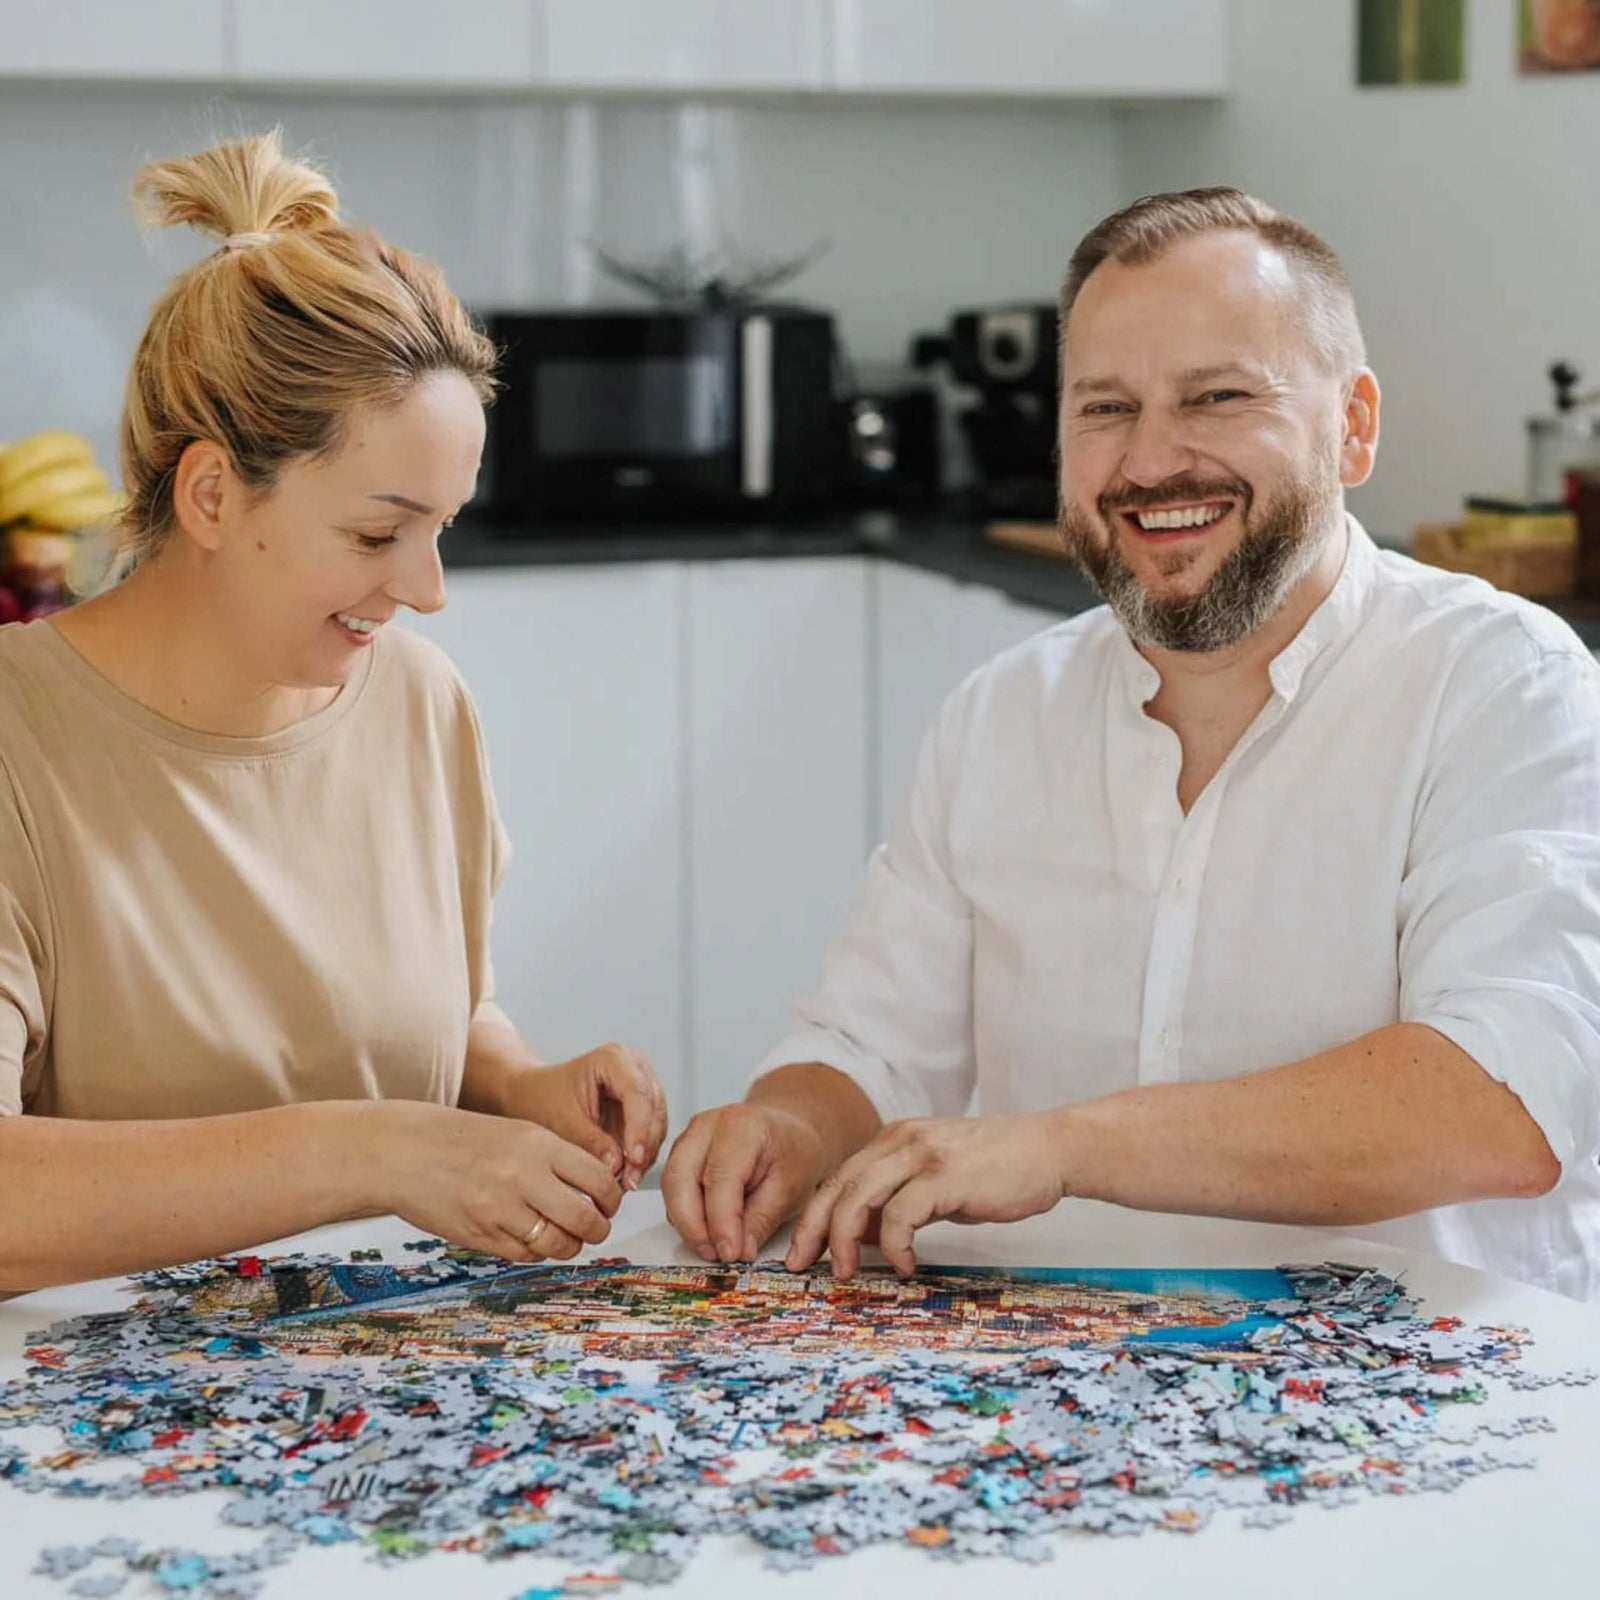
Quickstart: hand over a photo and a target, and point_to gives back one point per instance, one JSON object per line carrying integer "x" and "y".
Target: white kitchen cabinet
{"x": 777, "y": 676}
{"x": 989, "y": 622}
{"x": 1032, "y": 47}
{"x": 486, "y": 43}
{"x": 575, "y": 675}
{"x": 685, "y": 44}
{"x": 931, "y": 633}
{"x": 167, "y": 39}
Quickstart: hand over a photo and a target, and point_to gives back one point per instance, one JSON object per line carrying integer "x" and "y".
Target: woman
{"x": 247, "y": 838}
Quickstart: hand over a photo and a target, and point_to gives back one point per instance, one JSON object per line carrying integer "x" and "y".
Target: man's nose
{"x": 1156, "y": 450}
{"x": 419, "y": 583}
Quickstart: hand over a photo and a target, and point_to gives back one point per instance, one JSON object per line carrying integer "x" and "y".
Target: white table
{"x": 1511, "y": 1535}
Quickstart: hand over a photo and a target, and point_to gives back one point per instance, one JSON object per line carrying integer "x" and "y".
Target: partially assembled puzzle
{"x": 611, "y": 1417}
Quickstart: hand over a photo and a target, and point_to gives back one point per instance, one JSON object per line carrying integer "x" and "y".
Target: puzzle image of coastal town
{"x": 621, "y": 1311}
{"x": 589, "y": 1427}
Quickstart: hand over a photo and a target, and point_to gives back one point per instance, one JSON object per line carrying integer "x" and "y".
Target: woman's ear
{"x": 1360, "y": 444}
{"x": 200, "y": 493}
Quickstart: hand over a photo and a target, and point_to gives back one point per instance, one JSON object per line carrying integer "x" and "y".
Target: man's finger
{"x": 862, "y": 1195}
{"x": 735, "y": 1164}
{"x": 916, "y": 1205}
{"x": 680, "y": 1186}
{"x": 805, "y": 1245}
{"x": 766, "y": 1207}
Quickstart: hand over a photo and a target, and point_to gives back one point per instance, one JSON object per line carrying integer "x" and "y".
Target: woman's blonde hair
{"x": 267, "y": 345}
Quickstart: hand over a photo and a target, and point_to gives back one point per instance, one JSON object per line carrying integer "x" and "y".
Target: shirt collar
{"x": 1333, "y": 621}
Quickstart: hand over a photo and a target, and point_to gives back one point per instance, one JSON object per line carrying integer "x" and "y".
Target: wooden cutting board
{"x": 1040, "y": 538}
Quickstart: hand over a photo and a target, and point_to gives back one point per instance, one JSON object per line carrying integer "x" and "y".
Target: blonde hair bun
{"x": 270, "y": 344}
{"x": 248, "y": 186}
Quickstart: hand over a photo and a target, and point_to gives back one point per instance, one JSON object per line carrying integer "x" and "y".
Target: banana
{"x": 53, "y": 448}
{"x": 69, "y": 511}
{"x": 43, "y": 555}
{"x": 19, "y": 498}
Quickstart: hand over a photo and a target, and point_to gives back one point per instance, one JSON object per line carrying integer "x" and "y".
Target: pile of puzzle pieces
{"x": 235, "y": 1375}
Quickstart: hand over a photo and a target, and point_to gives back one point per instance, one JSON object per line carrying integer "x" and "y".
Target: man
{"x": 1270, "y": 890}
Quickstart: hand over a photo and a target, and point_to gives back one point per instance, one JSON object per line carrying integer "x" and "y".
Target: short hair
{"x": 268, "y": 344}
{"x": 1144, "y": 230}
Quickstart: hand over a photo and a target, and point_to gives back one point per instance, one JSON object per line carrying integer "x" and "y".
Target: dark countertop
{"x": 947, "y": 542}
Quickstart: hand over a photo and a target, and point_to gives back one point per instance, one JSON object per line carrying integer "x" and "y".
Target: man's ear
{"x": 201, "y": 489}
{"x": 1359, "y": 447}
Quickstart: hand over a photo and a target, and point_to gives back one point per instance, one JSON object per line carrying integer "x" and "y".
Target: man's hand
{"x": 737, "y": 1173}
{"x": 966, "y": 1169}
{"x": 606, "y": 1101}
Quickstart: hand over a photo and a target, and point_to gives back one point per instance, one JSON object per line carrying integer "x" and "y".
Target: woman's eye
{"x": 372, "y": 541}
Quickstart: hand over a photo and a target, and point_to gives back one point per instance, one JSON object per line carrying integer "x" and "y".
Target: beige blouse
{"x": 192, "y": 924}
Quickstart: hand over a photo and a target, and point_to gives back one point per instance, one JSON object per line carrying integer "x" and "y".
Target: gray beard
{"x": 1244, "y": 592}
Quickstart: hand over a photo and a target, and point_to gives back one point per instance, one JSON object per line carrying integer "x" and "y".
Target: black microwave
{"x": 680, "y": 415}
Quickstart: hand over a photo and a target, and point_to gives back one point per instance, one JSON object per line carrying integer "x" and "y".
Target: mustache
{"x": 1140, "y": 497}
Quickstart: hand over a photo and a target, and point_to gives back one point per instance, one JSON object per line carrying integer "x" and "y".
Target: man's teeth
{"x": 1183, "y": 517}
{"x": 357, "y": 624}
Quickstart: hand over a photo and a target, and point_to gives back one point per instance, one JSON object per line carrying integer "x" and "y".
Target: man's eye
{"x": 1105, "y": 408}
{"x": 1214, "y": 397}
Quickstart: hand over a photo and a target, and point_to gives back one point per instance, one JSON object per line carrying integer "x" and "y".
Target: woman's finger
{"x": 628, "y": 1080}
{"x": 589, "y": 1176}
{"x": 533, "y": 1244}
{"x": 568, "y": 1208}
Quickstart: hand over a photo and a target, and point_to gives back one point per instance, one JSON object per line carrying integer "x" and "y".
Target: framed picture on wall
{"x": 1558, "y": 36}
{"x": 1409, "y": 41}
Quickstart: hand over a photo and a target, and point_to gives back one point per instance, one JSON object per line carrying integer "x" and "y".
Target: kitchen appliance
{"x": 681, "y": 414}
{"x": 1008, "y": 354}
{"x": 890, "y": 439}
{"x": 1563, "y": 442}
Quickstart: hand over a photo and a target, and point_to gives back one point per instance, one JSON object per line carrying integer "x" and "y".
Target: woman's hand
{"x": 966, "y": 1169}
{"x": 491, "y": 1183}
{"x": 606, "y": 1101}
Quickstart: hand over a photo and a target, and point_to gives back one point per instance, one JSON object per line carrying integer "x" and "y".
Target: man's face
{"x": 1200, "y": 440}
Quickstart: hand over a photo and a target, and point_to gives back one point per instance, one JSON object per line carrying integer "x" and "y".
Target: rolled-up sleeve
{"x": 1500, "y": 907}
{"x": 893, "y": 1010}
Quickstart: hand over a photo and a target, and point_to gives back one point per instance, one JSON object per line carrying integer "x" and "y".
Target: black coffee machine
{"x": 1008, "y": 354}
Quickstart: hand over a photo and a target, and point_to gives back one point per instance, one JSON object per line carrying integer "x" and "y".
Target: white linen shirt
{"x": 1409, "y": 831}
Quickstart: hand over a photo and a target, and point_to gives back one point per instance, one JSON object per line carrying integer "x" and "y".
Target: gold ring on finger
{"x": 531, "y": 1237}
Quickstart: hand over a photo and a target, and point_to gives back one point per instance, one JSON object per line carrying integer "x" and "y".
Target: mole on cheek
{"x": 261, "y": 544}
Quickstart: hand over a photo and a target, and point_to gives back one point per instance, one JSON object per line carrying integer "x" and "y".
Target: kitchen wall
{"x": 927, "y": 207}
{"x": 1465, "y": 214}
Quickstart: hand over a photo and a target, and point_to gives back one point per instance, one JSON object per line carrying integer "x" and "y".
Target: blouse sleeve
{"x": 25, "y": 954}
{"x": 483, "y": 846}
